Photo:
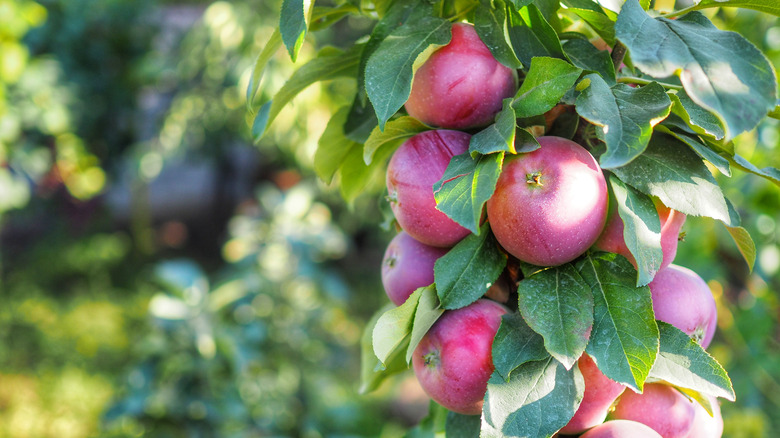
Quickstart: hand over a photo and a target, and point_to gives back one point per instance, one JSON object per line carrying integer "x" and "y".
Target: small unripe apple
{"x": 612, "y": 240}
{"x": 461, "y": 85}
{"x": 621, "y": 429}
{"x": 704, "y": 425}
{"x": 550, "y": 205}
{"x": 600, "y": 393}
{"x": 413, "y": 170}
{"x": 407, "y": 265}
{"x": 682, "y": 299}
{"x": 454, "y": 361}
{"x": 660, "y": 407}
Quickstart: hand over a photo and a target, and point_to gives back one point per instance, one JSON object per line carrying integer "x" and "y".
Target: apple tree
{"x": 538, "y": 158}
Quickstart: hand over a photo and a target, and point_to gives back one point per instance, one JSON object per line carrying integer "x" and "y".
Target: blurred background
{"x": 162, "y": 276}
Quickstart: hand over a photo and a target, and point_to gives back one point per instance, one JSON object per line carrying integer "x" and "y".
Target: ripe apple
{"x": 704, "y": 425}
{"x": 600, "y": 393}
{"x": 659, "y": 406}
{"x": 621, "y": 429}
{"x": 611, "y": 239}
{"x": 550, "y": 205}
{"x": 407, "y": 265}
{"x": 682, "y": 299}
{"x": 461, "y": 85}
{"x": 454, "y": 361}
{"x": 413, "y": 170}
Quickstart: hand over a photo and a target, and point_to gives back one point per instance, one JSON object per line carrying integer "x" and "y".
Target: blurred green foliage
{"x": 137, "y": 327}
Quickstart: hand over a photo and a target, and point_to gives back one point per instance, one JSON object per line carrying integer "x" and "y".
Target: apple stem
{"x": 534, "y": 178}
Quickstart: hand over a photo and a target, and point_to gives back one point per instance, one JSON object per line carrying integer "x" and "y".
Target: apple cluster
{"x": 549, "y": 207}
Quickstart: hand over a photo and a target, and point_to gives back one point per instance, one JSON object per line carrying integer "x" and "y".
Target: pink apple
{"x": 550, "y": 205}
{"x": 600, "y": 393}
{"x": 453, "y": 361}
{"x": 461, "y": 85}
{"x": 407, "y": 265}
{"x": 415, "y": 167}
{"x": 661, "y": 407}
{"x": 621, "y": 429}
{"x": 611, "y": 239}
{"x": 706, "y": 425}
{"x": 682, "y": 299}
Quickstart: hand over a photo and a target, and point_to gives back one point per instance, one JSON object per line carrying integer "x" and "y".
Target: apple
{"x": 611, "y": 239}
{"x": 550, "y": 205}
{"x": 461, "y": 85}
{"x": 454, "y": 361}
{"x": 407, "y": 265}
{"x": 682, "y": 299}
{"x": 413, "y": 170}
{"x": 600, "y": 393}
{"x": 661, "y": 407}
{"x": 621, "y": 429}
{"x": 704, "y": 425}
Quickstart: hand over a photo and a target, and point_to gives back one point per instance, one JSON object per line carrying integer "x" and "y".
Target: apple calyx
{"x": 534, "y": 178}
{"x": 432, "y": 359}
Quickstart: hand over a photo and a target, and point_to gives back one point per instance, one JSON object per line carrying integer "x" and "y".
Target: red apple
{"x": 453, "y": 361}
{"x": 704, "y": 425}
{"x": 461, "y": 85}
{"x": 621, "y": 429}
{"x": 600, "y": 393}
{"x": 611, "y": 239}
{"x": 415, "y": 167}
{"x": 407, "y": 265}
{"x": 682, "y": 299}
{"x": 661, "y": 407}
{"x": 550, "y": 205}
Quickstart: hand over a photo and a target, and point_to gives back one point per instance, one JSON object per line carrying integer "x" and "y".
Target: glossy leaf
{"x": 599, "y": 19}
{"x": 425, "y": 315}
{"x": 699, "y": 119}
{"x": 515, "y": 344}
{"x": 548, "y": 79}
{"x": 624, "y": 340}
{"x": 396, "y": 132}
{"x": 531, "y": 35}
{"x": 499, "y": 136}
{"x": 293, "y": 25}
{"x": 586, "y": 56}
{"x": 490, "y": 22}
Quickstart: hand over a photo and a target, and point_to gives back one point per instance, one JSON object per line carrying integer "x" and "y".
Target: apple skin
{"x": 407, "y": 265}
{"x": 704, "y": 425}
{"x": 682, "y": 299}
{"x": 413, "y": 170}
{"x": 554, "y": 220}
{"x": 454, "y": 361}
{"x": 660, "y": 407}
{"x": 621, "y": 429}
{"x": 600, "y": 393}
{"x": 611, "y": 239}
{"x": 461, "y": 85}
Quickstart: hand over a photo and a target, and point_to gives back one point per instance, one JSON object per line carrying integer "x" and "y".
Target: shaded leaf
{"x": 531, "y": 35}
{"x": 498, "y": 137}
{"x": 744, "y": 243}
{"x": 586, "y": 56}
{"x": 426, "y": 314}
{"x": 462, "y": 426}
{"x": 257, "y": 71}
{"x": 293, "y": 25}
{"x": 490, "y": 24}
{"x": 396, "y": 132}
{"x": 515, "y": 344}
{"x": 699, "y": 119}
{"x": 599, "y": 19}
{"x": 332, "y": 147}
{"x": 719, "y": 162}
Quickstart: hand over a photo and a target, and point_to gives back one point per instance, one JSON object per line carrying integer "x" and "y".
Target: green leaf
{"x": 586, "y": 56}
{"x": 323, "y": 17}
{"x": 599, "y": 19}
{"x": 671, "y": 171}
{"x": 682, "y": 362}
{"x": 558, "y": 304}
{"x": 293, "y": 24}
{"x": 624, "y": 116}
{"x": 744, "y": 243}
{"x": 539, "y": 399}
{"x": 396, "y": 132}
{"x": 257, "y": 71}
{"x": 768, "y": 6}
{"x": 462, "y": 426}
{"x": 641, "y": 229}
{"x": 261, "y": 121}
{"x": 770, "y": 173}
{"x": 372, "y": 372}
{"x": 357, "y": 177}
{"x": 548, "y": 79}
{"x": 332, "y": 147}
{"x": 468, "y": 270}
{"x": 393, "y": 329}
{"x": 624, "y": 340}
{"x": 426, "y": 314}
{"x": 390, "y": 69}
{"x": 699, "y": 119}
{"x": 330, "y": 63}
{"x": 498, "y": 137}
{"x": 466, "y": 185}
{"x": 721, "y": 71}
{"x": 531, "y": 35}
{"x": 490, "y": 24}
{"x": 720, "y": 163}
{"x": 515, "y": 344}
